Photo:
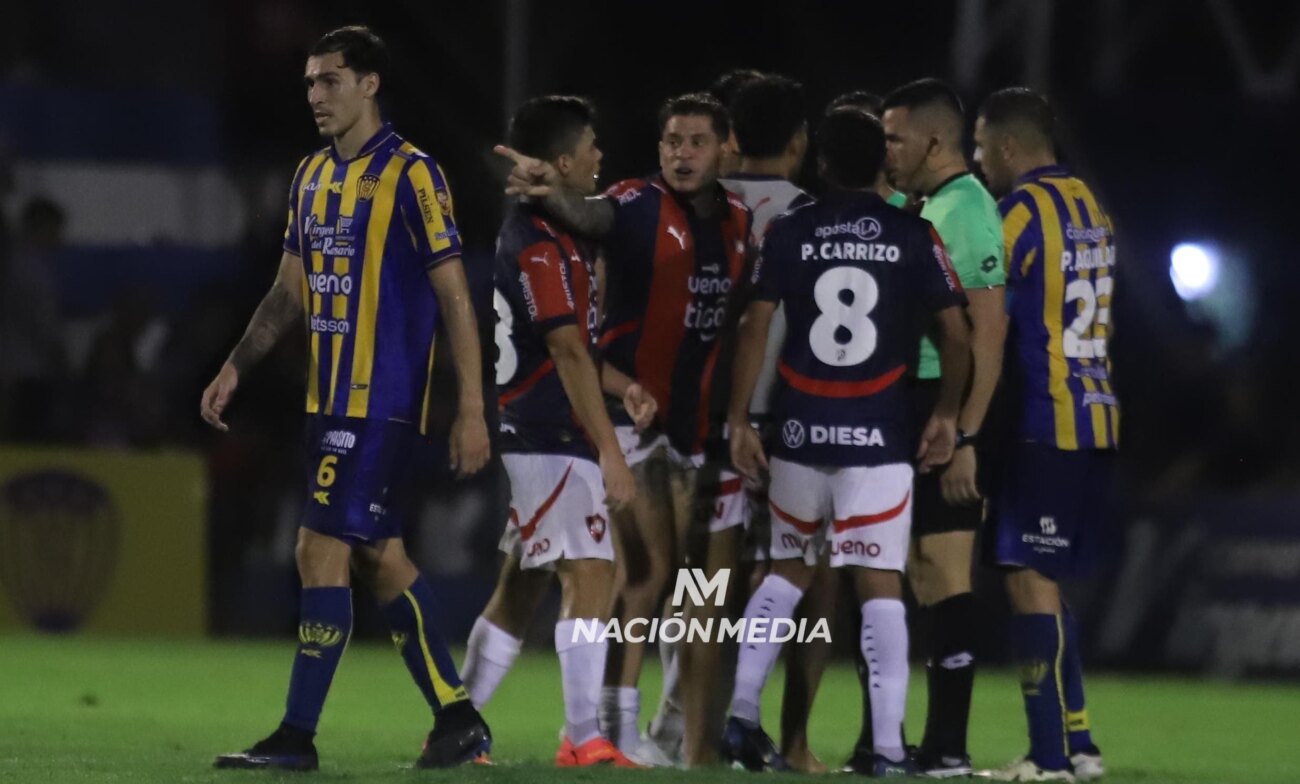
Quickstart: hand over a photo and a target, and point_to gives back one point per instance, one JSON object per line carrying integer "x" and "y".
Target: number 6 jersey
{"x": 860, "y": 281}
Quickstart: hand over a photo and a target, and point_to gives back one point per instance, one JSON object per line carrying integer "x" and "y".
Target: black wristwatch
{"x": 966, "y": 439}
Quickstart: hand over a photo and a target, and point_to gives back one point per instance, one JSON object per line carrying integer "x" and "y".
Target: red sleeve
{"x": 543, "y": 276}
{"x": 940, "y": 286}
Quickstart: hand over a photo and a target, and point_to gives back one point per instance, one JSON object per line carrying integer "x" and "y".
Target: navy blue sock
{"x": 1039, "y": 644}
{"x": 323, "y": 632}
{"x": 1076, "y": 717}
{"x": 410, "y": 617}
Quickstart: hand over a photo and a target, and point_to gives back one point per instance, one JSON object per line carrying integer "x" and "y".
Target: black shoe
{"x": 288, "y": 748}
{"x": 745, "y": 745}
{"x": 882, "y": 767}
{"x": 944, "y": 766}
{"x": 459, "y": 736}
{"x": 862, "y": 762}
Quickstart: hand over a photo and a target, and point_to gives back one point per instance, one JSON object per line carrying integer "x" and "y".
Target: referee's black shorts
{"x": 930, "y": 513}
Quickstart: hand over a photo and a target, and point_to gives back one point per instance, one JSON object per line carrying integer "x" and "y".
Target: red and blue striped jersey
{"x": 670, "y": 277}
{"x": 860, "y": 280}
{"x": 368, "y": 230}
{"x": 544, "y": 280}
{"x": 1060, "y": 252}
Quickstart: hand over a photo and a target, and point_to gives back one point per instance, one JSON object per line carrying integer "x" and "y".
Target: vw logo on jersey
{"x": 792, "y": 433}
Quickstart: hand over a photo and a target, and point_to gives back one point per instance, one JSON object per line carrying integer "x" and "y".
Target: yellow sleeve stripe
{"x": 427, "y": 203}
{"x": 1013, "y": 228}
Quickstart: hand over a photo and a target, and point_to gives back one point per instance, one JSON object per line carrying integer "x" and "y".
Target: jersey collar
{"x": 384, "y": 135}
{"x": 1053, "y": 170}
{"x": 949, "y": 181}
{"x": 719, "y": 192}
{"x": 755, "y": 177}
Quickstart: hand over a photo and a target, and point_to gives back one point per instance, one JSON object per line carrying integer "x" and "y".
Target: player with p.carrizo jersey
{"x": 859, "y": 281}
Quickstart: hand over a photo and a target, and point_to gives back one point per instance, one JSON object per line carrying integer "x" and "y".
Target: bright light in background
{"x": 1194, "y": 269}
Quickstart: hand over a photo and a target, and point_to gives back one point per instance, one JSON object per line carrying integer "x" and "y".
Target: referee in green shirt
{"x": 924, "y": 123}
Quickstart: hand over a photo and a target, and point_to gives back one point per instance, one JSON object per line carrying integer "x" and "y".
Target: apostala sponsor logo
{"x": 865, "y": 228}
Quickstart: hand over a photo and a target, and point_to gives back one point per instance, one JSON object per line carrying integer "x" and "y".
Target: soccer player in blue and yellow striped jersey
{"x": 371, "y": 264}
{"x": 1060, "y": 256}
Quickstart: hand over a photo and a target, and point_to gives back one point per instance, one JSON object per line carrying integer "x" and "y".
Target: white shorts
{"x": 639, "y": 447}
{"x": 758, "y": 523}
{"x": 868, "y": 509}
{"x": 722, "y": 492}
{"x": 557, "y": 510}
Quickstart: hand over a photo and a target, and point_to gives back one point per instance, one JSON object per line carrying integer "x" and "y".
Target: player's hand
{"x": 217, "y": 395}
{"x": 958, "y": 479}
{"x": 937, "y": 442}
{"x": 531, "y": 177}
{"x": 469, "y": 447}
{"x": 747, "y": 451}
{"x": 640, "y": 405}
{"x": 620, "y": 485}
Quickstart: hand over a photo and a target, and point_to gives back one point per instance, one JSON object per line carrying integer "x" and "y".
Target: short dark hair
{"x": 696, "y": 104}
{"x": 1020, "y": 105}
{"x": 725, "y": 87}
{"x": 865, "y": 100}
{"x": 362, "y": 50}
{"x": 766, "y": 114}
{"x": 551, "y": 125}
{"x": 851, "y": 147}
{"x": 925, "y": 92}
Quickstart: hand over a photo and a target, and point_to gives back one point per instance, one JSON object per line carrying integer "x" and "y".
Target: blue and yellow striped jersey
{"x": 1060, "y": 256}
{"x": 368, "y": 230}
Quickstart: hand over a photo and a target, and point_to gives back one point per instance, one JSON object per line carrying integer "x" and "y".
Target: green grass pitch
{"x": 75, "y": 709}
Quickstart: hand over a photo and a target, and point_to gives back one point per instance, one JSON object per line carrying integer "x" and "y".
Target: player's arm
{"x": 536, "y": 179}
{"x": 954, "y": 365}
{"x": 280, "y": 308}
{"x": 469, "y": 447}
{"x": 582, "y": 385}
{"x": 637, "y": 400}
{"x": 988, "y": 318}
{"x": 746, "y": 446}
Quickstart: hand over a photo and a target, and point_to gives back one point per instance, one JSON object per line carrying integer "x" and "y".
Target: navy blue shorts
{"x": 358, "y": 474}
{"x": 1050, "y": 509}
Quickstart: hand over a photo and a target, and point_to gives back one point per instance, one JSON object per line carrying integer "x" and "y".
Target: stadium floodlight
{"x": 1194, "y": 269}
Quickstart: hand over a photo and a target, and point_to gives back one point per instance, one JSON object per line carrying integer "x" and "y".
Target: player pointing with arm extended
{"x": 371, "y": 263}
{"x": 558, "y": 442}
{"x": 859, "y": 280}
{"x": 676, "y": 244}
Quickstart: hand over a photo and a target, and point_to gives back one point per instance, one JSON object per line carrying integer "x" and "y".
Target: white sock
{"x": 884, "y": 646}
{"x": 775, "y": 598}
{"x": 582, "y": 666}
{"x": 620, "y": 710}
{"x": 490, "y": 654}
